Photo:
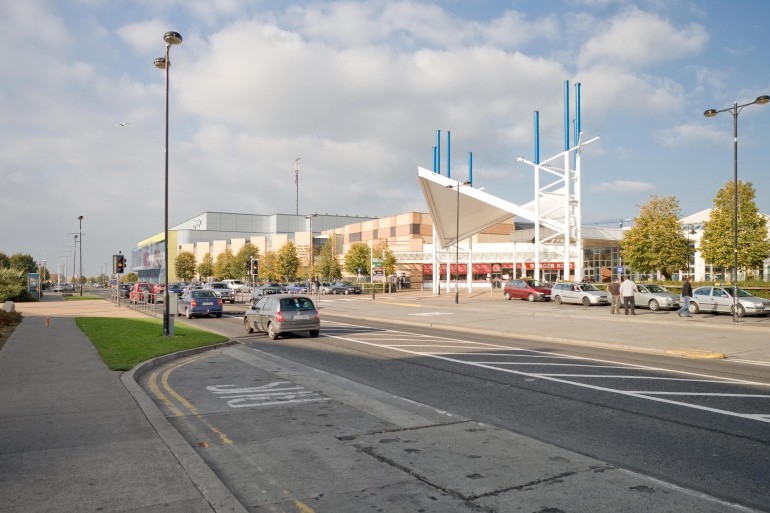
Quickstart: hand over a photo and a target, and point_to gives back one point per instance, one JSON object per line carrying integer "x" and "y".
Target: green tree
{"x": 327, "y": 265}
{"x": 5, "y": 262}
{"x": 240, "y": 265}
{"x": 357, "y": 259}
{"x": 185, "y": 265}
{"x": 206, "y": 267}
{"x": 389, "y": 261}
{"x": 23, "y": 262}
{"x": 224, "y": 265}
{"x": 717, "y": 242}
{"x": 656, "y": 242}
{"x": 268, "y": 267}
{"x": 130, "y": 278}
{"x": 288, "y": 261}
{"x": 13, "y": 284}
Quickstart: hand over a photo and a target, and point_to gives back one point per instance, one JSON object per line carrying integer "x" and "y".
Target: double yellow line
{"x": 167, "y": 395}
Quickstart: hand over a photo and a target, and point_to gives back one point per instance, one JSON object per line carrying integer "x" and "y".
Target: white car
{"x": 720, "y": 299}
{"x": 581, "y": 293}
{"x": 237, "y": 285}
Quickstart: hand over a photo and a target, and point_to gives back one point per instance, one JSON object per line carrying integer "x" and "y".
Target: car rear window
{"x": 296, "y": 303}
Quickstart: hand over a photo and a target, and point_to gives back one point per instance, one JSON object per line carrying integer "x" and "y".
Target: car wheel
{"x": 314, "y": 333}
{"x": 741, "y": 310}
{"x": 531, "y": 298}
{"x": 347, "y": 291}
{"x": 586, "y": 301}
{"x": 654, "y": 304}
{"x": 218, "y": 315}
{"x": 694, "y": 308}
{"x": 557, "y": 300}
{"x": 507, "y": 296}
{"x": 271, "y": 332}
{"x": 187, "y": 313}
{"x": 247, "y": 327}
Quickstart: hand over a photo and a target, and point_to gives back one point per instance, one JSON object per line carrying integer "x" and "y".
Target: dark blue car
{"x": 200, "y": 302}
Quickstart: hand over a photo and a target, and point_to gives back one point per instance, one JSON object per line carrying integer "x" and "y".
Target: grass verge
{"x": 8, "y": 323}
{"x": 74, "y": 297}
{"x": 123, "y": 343}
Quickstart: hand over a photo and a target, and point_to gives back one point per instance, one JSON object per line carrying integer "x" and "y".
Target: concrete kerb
{"x": 219, "y": 497}
{"x": 686, "y": 353}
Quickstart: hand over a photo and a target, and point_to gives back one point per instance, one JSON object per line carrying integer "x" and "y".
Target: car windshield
{"x": 587, "y": 287}
{"x": 537, "y": 283}
{"x": 742, "y": 293}
{"x": 656, "y": 288}
{"x": 218, "y": 286}
{"x": 202, "y": 293}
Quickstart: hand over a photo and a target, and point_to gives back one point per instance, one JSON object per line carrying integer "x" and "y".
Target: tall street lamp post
{"x": 457, "y": 241}
{"x": 735, "y": 110}
{"x": 296, "y": 181}
{"x": 80, "y": 235}
{"x": 312, "y": 247}
{"x": 74, "y": 257}
{"x": 690, "y": 229}
{"x": 171, "y": 38}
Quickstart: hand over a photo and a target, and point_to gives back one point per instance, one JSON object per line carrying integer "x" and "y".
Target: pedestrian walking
{"x": 614, "y": 290}
{"x": 627, "y": 289}
{"x": 684, "y": 310}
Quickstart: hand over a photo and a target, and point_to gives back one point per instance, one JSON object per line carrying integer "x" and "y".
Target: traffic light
{"x": 118, "y": 264}
{"x": 254, "y": 267}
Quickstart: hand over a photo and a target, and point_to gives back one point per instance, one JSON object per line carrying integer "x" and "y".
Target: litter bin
{"x": 173, "y": 304}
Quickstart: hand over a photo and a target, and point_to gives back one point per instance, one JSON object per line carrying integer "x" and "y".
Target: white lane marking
{"x": 556, "y": 379}
{"x": 430, "y": 314}
{"x": 272, "y": 394}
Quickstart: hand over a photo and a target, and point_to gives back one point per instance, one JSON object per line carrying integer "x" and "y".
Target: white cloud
{"x": 622, "y": 186}
{"x": 688, "y": 135}
{"x": 639, "y": 38}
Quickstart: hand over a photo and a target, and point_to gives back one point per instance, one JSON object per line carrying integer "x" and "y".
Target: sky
{"x": 357, "y": 90}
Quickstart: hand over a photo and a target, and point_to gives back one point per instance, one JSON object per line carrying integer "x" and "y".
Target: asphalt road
{"x": 697, "y": 424}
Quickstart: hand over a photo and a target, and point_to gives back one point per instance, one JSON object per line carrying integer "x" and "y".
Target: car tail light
{"x": 317, "y": 316}
{"x": 219, "y": 301}
{"x": 279, "y": 317}
{"x": 193, "y": 302}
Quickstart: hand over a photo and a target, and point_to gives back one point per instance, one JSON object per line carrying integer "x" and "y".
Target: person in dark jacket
{"x": 684, "y": 310}
{"x": 614, "y": 290}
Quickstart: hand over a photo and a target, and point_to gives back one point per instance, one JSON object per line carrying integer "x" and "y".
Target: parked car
{"x": 199, "y": 302}
{"x": 344, "y": 287}
{"x": 278, "y": 314}
{"x": 158, "y": 293}
{"x": 60, "y": 287}
{"x": 720, "y": 299}
{"x": 237, "y": 285}
{"x": 123, "y": 289}
{"x": 580, "y": 293}
{"x": 223, "y": 291}
{"x": 655, "y": 297}
{"x": 263, "y": 290}
{"x": 531, "y": 290}
{"x": 176, "y": 288}
{"x": 296, "y": 288}
{"x": 136, "y": 294}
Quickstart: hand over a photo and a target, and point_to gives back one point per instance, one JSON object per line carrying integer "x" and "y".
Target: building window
{"x": 415, "y": 229}
{"x": 355, "y": 237}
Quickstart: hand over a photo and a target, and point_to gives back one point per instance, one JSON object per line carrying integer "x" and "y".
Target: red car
{"x": 531, "y": 290}
{"x": 136, "y": 294}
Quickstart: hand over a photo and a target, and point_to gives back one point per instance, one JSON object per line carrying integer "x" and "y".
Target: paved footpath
{"x": 79, "y": 437}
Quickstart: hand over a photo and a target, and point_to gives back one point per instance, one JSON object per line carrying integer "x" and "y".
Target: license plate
{"x": 207, "y": 303}
{"x": 302, "y": 317}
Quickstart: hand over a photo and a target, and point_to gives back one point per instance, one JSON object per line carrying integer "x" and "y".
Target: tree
{"x": 268, "y": 267}
{"x": 389, "y": 261}
{"x": 206, "y": 267}
{"x": 288, "y": 261}
{"x": 656, "y": 242}
{"x": 717, "y": 242}
{"x": 13, "y": 284}
{"x": 23, "y": 262}
{"x": 357, "y": 259}
{"x": 224, "y": 265}
{"x": 241, "y": 260}
{"x": 185, "y": 265}
{"x": 5, "y": 262}
{"x": 327, "y": 264}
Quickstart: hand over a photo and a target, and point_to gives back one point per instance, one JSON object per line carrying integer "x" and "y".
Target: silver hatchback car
{"x": 655, "y": 297}
{"x": 277, "y": 314}
{"x": 720, "y": 299}
{"x": 584, "y": 294}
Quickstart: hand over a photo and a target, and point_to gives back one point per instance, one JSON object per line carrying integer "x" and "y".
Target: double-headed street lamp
{"x": 735, "y": 110}
{"x": 457, "y": 241}
{"x": 171, "y": 38}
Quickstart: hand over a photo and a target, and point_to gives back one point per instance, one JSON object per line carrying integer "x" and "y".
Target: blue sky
{"x": 357, "y": 90}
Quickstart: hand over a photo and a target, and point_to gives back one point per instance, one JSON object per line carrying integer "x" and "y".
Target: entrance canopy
{"x": 478, "y": 209}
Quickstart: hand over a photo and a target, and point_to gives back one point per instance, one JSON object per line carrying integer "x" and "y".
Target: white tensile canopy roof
{"x": 478, "y": 209}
